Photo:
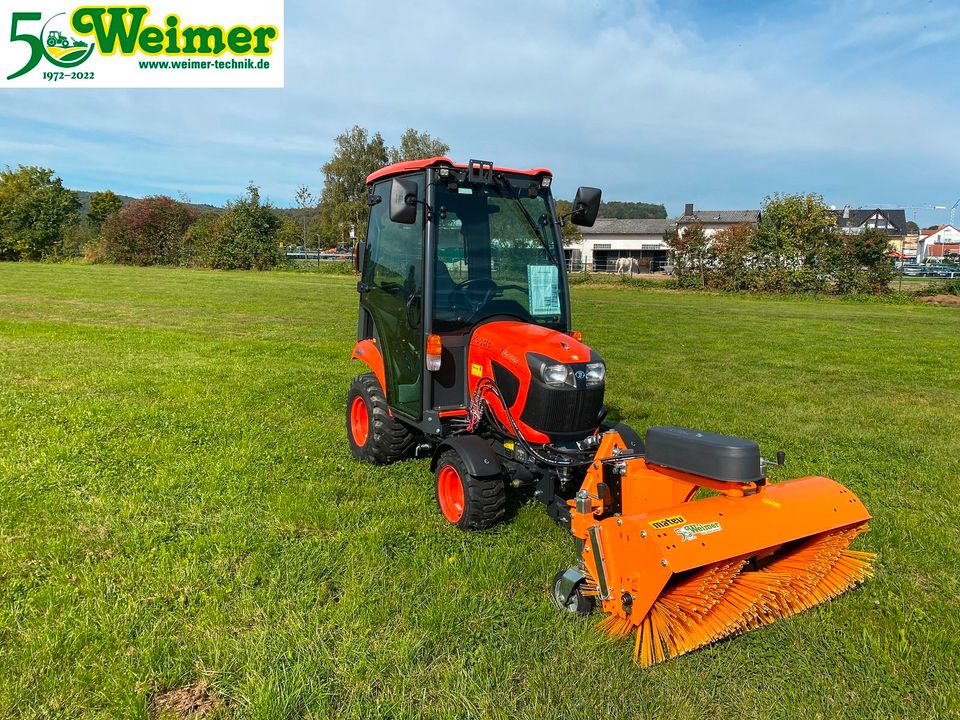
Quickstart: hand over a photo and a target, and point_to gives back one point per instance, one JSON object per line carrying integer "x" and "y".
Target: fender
{"x": 366, "y": 351}
{"x": 476, "y": 453}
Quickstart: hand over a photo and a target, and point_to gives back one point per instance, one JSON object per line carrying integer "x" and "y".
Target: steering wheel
{"x": 491, "y": 289}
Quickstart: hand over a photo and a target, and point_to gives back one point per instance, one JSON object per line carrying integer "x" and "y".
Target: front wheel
{"x": 465, "y": 500}
{"x": 373, "y": 434}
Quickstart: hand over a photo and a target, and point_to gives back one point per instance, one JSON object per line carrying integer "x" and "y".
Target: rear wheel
{"x": 374, "y": 436}
{"x": 465, "y": 500}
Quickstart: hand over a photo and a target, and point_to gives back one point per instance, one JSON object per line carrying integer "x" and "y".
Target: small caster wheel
{"x": 568, "y": 592}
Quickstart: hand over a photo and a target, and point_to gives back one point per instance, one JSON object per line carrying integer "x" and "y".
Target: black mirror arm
{"x": 412, "y": 200}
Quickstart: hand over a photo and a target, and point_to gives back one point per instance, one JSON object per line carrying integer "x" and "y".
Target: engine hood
{"x": 512, "y": 340}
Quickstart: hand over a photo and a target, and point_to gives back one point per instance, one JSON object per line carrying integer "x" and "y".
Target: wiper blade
{"x": 500, "y": 177}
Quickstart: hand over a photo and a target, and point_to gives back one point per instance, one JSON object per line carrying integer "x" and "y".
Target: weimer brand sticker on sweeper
{"x": 167, "y": 44}
{"x": 691, "y": 531}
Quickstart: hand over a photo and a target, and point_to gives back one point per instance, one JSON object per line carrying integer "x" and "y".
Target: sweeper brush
{"x": 464, "y": 326}
{"x": 683, "y": 574}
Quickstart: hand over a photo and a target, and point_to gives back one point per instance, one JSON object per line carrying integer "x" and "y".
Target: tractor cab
{"x": 448, "y": 249}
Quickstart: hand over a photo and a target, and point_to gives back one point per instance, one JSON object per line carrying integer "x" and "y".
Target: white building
{"x": 608, "y": 241}
{"x": 714, "y": 220}
{"x": 938, "y": 243}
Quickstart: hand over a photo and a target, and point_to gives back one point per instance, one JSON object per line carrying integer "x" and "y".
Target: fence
{"x": 298, "y": 257}
{"x": 621, "y": 266}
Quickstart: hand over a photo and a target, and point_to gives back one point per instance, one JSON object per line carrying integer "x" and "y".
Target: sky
{"x": 719, "y": 104}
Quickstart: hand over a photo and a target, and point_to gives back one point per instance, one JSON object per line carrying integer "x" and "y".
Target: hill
{"x": 84, "y": 197}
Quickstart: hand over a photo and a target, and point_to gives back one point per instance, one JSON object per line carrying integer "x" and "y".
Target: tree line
{"x": 42, "y": 220}
{"x": 795, "y": 248}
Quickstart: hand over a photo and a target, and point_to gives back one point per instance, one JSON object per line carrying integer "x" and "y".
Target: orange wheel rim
{"x": 359, "y": 421}
{"x": 450, "y": 493}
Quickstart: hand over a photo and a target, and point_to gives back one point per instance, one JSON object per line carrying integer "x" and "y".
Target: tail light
{"x": 434, "y": 349}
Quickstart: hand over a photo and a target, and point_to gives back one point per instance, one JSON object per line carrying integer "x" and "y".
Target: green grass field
{"x": 179, "y": 506}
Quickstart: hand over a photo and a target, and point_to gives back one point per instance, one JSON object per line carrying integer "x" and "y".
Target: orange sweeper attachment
{"x": 679, "y": 573}
{"x": 464, "y": 327}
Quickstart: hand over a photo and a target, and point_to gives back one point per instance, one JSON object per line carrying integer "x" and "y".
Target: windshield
{"x": 490, "y": 259}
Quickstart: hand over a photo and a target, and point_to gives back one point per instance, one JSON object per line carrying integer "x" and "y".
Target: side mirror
{"x": 586, "y": 206}
{"x": 403, "y": 201}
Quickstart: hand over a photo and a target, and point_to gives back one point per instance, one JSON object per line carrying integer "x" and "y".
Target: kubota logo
{"x": 130, "y": 42}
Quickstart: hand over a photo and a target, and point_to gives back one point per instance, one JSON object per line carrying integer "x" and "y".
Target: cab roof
{"x": 411, "y": 165}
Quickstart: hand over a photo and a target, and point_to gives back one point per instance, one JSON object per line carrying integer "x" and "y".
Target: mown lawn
{"x": 179, "y": 505}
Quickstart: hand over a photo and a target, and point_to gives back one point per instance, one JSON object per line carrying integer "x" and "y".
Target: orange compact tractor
{"x": 465, "y": 328}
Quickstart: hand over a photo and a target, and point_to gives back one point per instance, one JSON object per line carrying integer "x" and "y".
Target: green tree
{"x": 632, "y": 210}
{"x": 102, "y": 206}
{"x": 244, "y": 237}
{"x": 861, "y": 263}
{"x": 343, "y": 202}
{"x": 306, "y": 203}
{"x": 571, "y": 233}
{"x": 417, "y": 145}
{"x": 289, "y": 234}
{"x": 731, "y": 258}
{"x": 150, "y": 231}
{"x": 35, "y": 211}
{"x": 794, "y": 240}
{"x": 690, "y": 246}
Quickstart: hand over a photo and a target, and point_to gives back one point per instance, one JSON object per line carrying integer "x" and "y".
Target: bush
{"x": 147, "y": 232}
{"x": 796, "y": 249}
{"x": 244, "y": 237}
{"x": 860, "y": 264}
{"x": 947, "y": 287}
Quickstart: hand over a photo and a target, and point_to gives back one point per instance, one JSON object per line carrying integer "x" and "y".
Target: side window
{"x": 393, "y": 258}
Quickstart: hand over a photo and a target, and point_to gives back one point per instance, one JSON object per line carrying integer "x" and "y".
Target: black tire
{"x": 577, "y": 603}
{"x": 386, "y": 439}
{"x": 482, "y": 501}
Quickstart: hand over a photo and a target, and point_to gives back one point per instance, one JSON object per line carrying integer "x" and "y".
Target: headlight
{"x": 556, "y": 374}
{"x": 595, "y": 373}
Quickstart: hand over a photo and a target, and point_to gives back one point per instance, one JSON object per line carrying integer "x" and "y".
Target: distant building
{"x": 714, "y": 220}
{"x": 938, "y": 242}
{"x": 854, "y": 222}
{"x": 609, "y": 241}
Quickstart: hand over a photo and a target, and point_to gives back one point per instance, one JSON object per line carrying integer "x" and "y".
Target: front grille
{"x": 562, "y": 413}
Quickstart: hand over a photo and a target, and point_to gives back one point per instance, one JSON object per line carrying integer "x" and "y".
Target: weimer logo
{"x": 691, "y": 531}
{"x": 53, "y": 42}
{"x": 139, "y": 46}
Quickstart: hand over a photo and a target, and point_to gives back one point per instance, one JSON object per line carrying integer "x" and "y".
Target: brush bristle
{"x": 724, "y": 599}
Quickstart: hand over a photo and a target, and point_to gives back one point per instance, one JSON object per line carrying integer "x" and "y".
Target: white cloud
{"x": 651, "y": 104}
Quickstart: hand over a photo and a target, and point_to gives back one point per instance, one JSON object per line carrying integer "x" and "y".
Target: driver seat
{"x": 449, "y": 299}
